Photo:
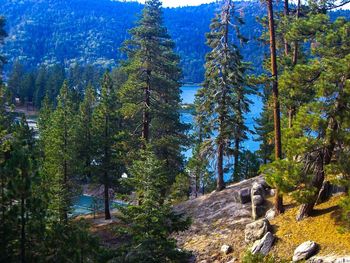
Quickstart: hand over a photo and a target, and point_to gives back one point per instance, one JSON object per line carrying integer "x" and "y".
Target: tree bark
{"x": 105, "y": 172}
{"x": 236, "y": 160}
{"x": 106, "y": 197}
{"x": 324, "y": 158}
{"x": 286, "y": 15}
{"x": 220, "y": 179}
{"x": 276, "y": 106}
{"x": 296, "y": 44}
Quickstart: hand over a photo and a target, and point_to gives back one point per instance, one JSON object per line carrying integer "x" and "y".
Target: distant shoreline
{"x": 190, "y": 85}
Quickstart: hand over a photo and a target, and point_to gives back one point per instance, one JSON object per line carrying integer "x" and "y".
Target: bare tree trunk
{"x": 286, "y": 15}
{"x": 106, "y": 197}
{"x": 276, "y": 106}
{"x": 105, "y": 175}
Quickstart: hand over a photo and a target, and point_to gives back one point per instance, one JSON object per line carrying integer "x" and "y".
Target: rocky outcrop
{"x": 244, "y": 196}
{"x": 305, "y": 251}
{"x": 264, "y": 245}
{"x": 270, "y": 214}
{"x": 329, "y": 259}
{"x": 258, "y": 200}
{"x": 256, "y": 230}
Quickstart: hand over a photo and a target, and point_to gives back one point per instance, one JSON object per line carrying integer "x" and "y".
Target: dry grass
{"x": 322, "y": 227}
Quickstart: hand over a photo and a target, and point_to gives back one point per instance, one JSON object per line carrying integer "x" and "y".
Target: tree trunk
{"x": 23, "y": 236}
{"x": 106, "y": 197}
{"x": 296, "y": 44}
{"x": 324, "y": 158}
{"x": 276, "y": 107}
{"x": 106, "y": 167}
{"x": 220, "y": 179}
{"x": 65, "y": 176}
{"x": 146, "y": 114}
{"x": 236, "y": 160}
{"x": 286, "y": 15}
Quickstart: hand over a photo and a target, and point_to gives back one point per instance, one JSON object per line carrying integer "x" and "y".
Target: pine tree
{"x": 224, "y": 91}
{"x": 40, "y": 86}
{"x": 318, "y": 137}
{"x": 15, "y": 80}
{"x": 151, "y": 94}
{"x": 150, "y": 224}
{"x": 107, "y": 132}
{"x": 278, "y": 202}
{"x": 85, "y": 140}
{"x": 60, "y": 154}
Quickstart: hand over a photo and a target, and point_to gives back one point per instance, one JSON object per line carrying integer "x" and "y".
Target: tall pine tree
{"x": 223, "y": 100}
{"x": 151, "y": 94}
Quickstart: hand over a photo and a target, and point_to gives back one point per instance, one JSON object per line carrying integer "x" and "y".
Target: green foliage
{"x": 72, "y": 242}
{"x": 345, "y": 205}
{"x": 59, "y": 165}
{"x": 260, "y": 258}
{"x": 150, "y": 96}
{"x": 180, "y": 189}
{"x": 149, "y": 224}
{"x": 222, "y": 101}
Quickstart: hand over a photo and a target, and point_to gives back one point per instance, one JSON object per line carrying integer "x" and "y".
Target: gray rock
{"x": 257, "y": 189}
{"x": 244, "y": 196}
{"x": 263, "y": 245}
{"x": 256, "y": 230}
{"x": 257, "y": 200}
{"x": 226, "y": 249}
{"x": 270, "y": 214}
{"x": 329, "y": 259}
{"x": 271, "y": 192}
{"x": 232, "y": 260}
{"x": 305, "y": 250}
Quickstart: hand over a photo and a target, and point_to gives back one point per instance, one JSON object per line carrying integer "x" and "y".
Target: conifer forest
{"x": 136, "y": 132}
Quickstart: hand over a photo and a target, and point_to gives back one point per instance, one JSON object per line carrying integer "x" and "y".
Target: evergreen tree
{"x": 278, "y": 202}
{"x": 60, "y": 154}
{"x": 318, "y": 138}
{"x": 15, "y": 80}
{"x": 264, "y": 129}
{"x": 151, "y": 94}
{"x": 107, "y": 132}
{"x": 150, "y": 224}
{"x": 56, "y": 77}
{"x": 85, "y": 139}
{"x": 40, "y": 86}
{"x": 224, "y": 91}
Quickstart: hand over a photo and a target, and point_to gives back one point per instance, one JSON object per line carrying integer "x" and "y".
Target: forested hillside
{"x": 92, "y": 31}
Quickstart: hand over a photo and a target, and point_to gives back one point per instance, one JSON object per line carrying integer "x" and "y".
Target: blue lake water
{"x": 188, "y": 96}
{"x": 86, "y": 204}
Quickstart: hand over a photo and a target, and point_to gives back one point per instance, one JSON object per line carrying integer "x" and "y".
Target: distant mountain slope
{"x": 92, "y": 31}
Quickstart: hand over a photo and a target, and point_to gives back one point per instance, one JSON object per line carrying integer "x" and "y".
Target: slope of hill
{"x": 92, "y": 31}
{"x": 220, "y": 219}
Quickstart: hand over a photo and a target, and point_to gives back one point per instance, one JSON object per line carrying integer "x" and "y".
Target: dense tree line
{"x": 33, "y": 85}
